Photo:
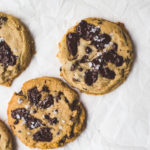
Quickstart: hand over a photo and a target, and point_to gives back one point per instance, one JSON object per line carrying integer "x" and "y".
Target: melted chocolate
{"x": 47, "y": 102}
{"x": 90, "y": 77}
{"x": 87, "y": 31}
{"x": 43, "y": 135}
{"x": 45, "y": 89}
{"x": 107, "y": 73}
{"x": 113, "y": 57}
{"x": 30, "y": 121}
{"x": 72, "y": 43}
{"x": 6, "y": 56}
{"x": 34, "y": 95}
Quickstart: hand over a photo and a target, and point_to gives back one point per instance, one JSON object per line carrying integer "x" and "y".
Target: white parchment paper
{"x": 119, "y": 120}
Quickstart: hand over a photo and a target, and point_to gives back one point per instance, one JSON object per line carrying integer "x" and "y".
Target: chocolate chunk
{"x": 88, "y": 50}
{"x": 58, "y": 97}
{"x": 66, "y": 100}
{"x": 62, "y": 141}
{"x": 84, "y": 59}
{"x": 90, "y": 77}
{"x": 6, "y": 56}
{"x": 87, "y": 31}
{"x": 45, "y": 89}
{"x": 113, "y": 57}
{"x": 105, "y": 38}
{"x": 3, "y": 20}
{"x": 47, "y": 102}
{"x": 34, "y": 95}
{"x": 30, "y": 121}
{"x": 72, "y": 43}
{"x": 107, "y": 73}
{"x": 74, "y": 104}
{"x": 114, "y": 46}
{"x": 43, "y": 135}
{"x": 73, "y": 67}
{"x": 80, "y": 69}
{"x": 52, "y": 121}
{"x": 100, "y": 40}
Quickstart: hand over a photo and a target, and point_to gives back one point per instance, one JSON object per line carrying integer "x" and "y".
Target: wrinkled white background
{"x": 119, "y": 120}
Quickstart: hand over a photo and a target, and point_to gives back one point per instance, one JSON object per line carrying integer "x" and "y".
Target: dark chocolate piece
{"x": 6, "y": 56}
{"x": 47, "y": 102}
{"x": 72, "y": 43}
{"x": 90, "y": 77}
{"x": 43, "y": 135}
{"x": 34, "y": 95}
{"x": 30, "y": 121}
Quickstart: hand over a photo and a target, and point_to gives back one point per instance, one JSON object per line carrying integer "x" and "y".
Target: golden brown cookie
{"x": 46, "y": 113}
{"x": 96, "y": 55}
{"x": 16, "y": 48}
{"x": 5, "y": 138}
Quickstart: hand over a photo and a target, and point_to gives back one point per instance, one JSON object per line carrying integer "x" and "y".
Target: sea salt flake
{"x": 23, "y": 121}
{"x": 60, "y": 127}
{"x": 28, "y": 133}
{"x": 99, "y": 53}
{"x": 18, "y": 116}
{"x": 55, "y": 112}
{"x": 90, "y": 64}
{"x": 15, "y": 50}
{"x": 27, "y": 106}
{"x": 63, "y": 121}
{"x": 20, "y": 101}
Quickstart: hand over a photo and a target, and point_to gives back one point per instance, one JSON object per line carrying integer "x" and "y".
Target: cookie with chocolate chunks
{"x": 16, "y": 48}
{"x": 46, "y": 113}
{"x": 93, "y": 55}
{"x": 5, "y": 137}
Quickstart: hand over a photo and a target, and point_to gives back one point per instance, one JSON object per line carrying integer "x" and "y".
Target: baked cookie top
{"x": 46, "y": 113}
{"x": 5, "y": 138}
{"x": 96, "y": 55}
{"x": 16, "y": 48}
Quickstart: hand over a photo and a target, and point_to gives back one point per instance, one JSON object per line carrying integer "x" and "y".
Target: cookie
{"x": 96, "y": 55}
{"x": 5, "y": 138}
{"x": 46, "y": 113}
{"x": 16, "y": 48}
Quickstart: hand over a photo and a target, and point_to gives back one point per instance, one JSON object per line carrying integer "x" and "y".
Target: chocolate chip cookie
{"x": 46, "y": 113}
{"x": 16, "y": 48}
{"x": 5, "y": 138}
{"x": 96, "y": 55}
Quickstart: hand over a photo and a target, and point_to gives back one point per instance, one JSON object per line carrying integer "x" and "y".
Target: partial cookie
{"x": 16, "y": 48}
{"x": 5, "y": 138}
{"x": 46, "y": 113}
{"x": 96, "y": 55}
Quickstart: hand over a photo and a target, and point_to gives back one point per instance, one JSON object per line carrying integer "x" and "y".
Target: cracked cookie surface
{"x": 46, "y": 113}
{"x": 16, "y": 48}
{"x": 96, "y": 55}
{"x": 5, "y": 137}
